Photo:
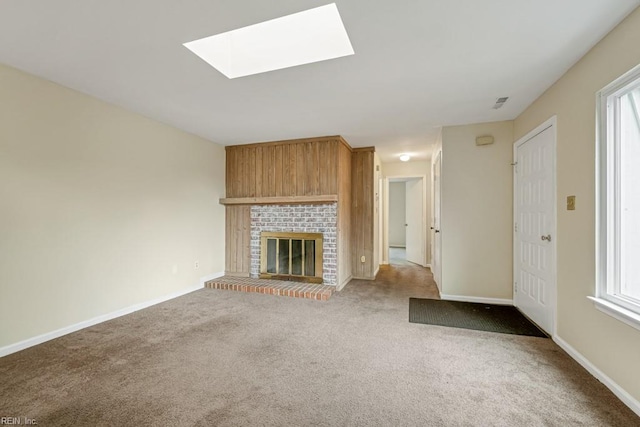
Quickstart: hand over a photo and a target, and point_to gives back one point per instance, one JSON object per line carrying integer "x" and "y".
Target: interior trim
{"x": 279, "y": 200}
{"x": 22, "y": 345}
{"x": 622, "y": 314}
{"x": 463, "y": 298}
{"x": 621, "y": 393}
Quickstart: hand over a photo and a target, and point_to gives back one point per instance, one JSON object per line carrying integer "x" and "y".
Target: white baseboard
{"x": 482, "y": 300}
{"x": 13, "y": 348}
{"x": 621, "y": 393}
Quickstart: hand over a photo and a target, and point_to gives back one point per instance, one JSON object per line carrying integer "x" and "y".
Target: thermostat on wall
{"x": 484, "y": 140}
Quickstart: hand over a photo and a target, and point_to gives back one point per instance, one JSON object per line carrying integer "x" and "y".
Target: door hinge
{"x": 516, "y": 227}
{"x": 515, "y": 287}
{"x": 515, "y": 166}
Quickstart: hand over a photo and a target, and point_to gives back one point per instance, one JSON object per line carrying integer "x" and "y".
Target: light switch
{"x": 571, "y": 203}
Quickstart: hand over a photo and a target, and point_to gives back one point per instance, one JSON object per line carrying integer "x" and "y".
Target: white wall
{"x": 397, "y": 214}
{"x": 477, "y": 205}
{"x": 411, "y": 168}
{"x": 610, "y": 345}
{"x": 101, "y": 208}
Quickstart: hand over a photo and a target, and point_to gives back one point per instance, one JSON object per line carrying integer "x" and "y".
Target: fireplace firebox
{"x": 291, "y": 256}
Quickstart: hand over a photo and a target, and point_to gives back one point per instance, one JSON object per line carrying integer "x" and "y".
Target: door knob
{"x": 437, "y": 231}
{"x": 547, "y": 237}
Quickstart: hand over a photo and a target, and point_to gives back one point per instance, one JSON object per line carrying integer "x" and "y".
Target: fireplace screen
{"x": 291, "y": 256}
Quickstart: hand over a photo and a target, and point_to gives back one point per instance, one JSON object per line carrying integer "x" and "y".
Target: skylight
{"x": 313, "y": 35}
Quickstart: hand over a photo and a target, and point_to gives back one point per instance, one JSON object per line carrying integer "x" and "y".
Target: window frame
{"x": 608, "y": 180}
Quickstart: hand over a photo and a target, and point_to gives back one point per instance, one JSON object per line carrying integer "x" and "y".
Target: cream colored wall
{"x": 476, "y": 220}
{"x": 417, "y": 168}
{"x": 97, "y": 207}
{"x": 413, "y": 169}
{"x": 612, "y": 346}
{"x": 397, "y": 218}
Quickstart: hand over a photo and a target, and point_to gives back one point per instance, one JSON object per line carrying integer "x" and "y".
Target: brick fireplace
{"x": 312, "y": 218}
{"x": 310, "y": 185}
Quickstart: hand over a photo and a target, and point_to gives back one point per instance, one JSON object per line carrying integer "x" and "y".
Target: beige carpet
{"x": 221, "y": 358}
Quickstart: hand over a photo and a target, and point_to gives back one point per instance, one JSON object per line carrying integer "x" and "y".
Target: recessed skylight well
{"x": 310, "y": 36}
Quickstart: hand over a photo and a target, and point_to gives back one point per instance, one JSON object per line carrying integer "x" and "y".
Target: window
{"x": 618, "y": 281}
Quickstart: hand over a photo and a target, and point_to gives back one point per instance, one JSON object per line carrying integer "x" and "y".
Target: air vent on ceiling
{"x": 500, "y": 102}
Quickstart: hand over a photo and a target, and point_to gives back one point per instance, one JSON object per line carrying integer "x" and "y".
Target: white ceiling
{"x": 418, "y": 64}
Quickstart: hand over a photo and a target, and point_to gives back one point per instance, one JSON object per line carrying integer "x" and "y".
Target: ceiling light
{"x": 405, "y": 158}
{"x": 302, "y": 38}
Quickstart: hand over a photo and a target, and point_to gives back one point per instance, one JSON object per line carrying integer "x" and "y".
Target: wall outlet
{"x": 196, "y": 265}
{"x": 363, "y": 259}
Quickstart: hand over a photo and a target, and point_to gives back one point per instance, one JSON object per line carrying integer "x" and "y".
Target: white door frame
{"x": 436, "y": 268}
{"x": 553, "y": 288}
{"x": 381, "y": 221}
{"x": 385, "y": 249}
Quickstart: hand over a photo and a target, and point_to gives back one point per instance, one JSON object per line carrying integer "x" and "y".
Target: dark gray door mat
{"x": 503, "y": 319}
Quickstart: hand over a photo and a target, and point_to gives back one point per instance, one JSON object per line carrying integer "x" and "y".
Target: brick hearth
{"x": 273, "y": 287}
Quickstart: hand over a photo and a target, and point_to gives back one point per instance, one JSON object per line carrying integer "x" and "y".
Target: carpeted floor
{"x": 221, "y": 358}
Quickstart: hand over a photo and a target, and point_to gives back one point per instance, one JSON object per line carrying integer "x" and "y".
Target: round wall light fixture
{"x": 405, "y": 158}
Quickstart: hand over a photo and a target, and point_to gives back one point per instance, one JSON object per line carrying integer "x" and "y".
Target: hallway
{"x": 398, "y": 256}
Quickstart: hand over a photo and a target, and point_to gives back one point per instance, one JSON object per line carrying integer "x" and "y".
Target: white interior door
{"x": 414, "y": 221}
{"x": 534, "y": 231}
{"x": 436, "y": 263}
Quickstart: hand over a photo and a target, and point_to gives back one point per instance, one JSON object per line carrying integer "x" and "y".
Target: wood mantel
{"x": 280, "y": 200}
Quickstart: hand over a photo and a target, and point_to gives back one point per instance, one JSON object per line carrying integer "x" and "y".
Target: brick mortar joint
{"x": 297, "y": 218}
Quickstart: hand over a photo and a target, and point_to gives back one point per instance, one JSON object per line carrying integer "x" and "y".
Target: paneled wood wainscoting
{"x": 314, "y": 185}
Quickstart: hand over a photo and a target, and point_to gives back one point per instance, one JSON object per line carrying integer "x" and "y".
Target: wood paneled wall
{"x": 307, "y": 167}
{"x": 344, "y": 217}
{"x": 362, "y": 210}
{"x": 304, "y": 168}
{"x": 238, "y": 240}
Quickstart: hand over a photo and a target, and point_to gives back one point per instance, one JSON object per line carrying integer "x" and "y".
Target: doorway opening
{"x": 405, "y": 221}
